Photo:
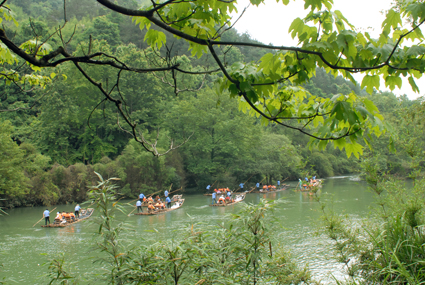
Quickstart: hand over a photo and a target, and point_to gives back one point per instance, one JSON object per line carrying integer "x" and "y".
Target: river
{"x": 25, "y": 250}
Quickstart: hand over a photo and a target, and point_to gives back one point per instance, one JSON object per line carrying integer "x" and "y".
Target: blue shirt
{"x": 241, "y": 185}
{"x": 46, "y": 213}
{"x": 208, "y": 187}
{"x": 168, "y": 200}
{"x": 306, "y": 179}
{"x": 138, "y": 203}
{"x": 77, "y": 208}
{"x": 213, "y": 195}
{"x": 278, "y": 182}
{"x": 258, "y": 185}
{"x": 141, "y": 196}
{"x": 229, "y": 194}
{"x": 314, "y": 177}
{"x": 166, "y": 193}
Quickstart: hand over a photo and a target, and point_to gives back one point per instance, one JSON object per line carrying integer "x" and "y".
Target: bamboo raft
{"x": 221, "y": 193}
{"x": 156, "y": 212}
{"x": 310, "y": 188}
{"x": 273, "y": 191}
{"x": 228, "y": 204}
{"x": 88, "y": 214}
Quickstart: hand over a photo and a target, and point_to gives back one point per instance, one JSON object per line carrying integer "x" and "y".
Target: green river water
{"x": 25, "y": 250}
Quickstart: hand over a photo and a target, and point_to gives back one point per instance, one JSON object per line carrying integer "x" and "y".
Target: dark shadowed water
{"x": 25, "y": 250}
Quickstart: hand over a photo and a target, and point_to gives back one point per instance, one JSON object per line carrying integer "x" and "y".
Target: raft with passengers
{"x": 159, "y": 207}
{"x": 227, "y": 199}
{"x": 309, "y": 185}
{"x": 271, "y": 189}
{"x": 64, "y": 219}
{"x": 219, "y": 191}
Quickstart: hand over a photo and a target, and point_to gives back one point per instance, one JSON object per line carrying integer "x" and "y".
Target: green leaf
{"x": 353, "y": 148}
{"x": 296, "y": 27}
{"x": 415, "y": 51}
{"x": 370, "y": 81}
{"x": 392, "y": 81}
{"x": 340, "y": 110}
{"x": 412, "y": 83}
{"x": 155, "y": 38}
{"x": 393, "y": 19}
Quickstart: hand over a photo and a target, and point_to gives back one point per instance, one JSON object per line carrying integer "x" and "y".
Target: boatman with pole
{"x": 77, "y": 211}
{"x": 300, "y": 183}
{"x": 241, "y": 186}
{"x": 208, "y": 188}
{"x": 166, "y": 193}
{"x": 141, "y": 196}
{"x": 168, "y": 200}
{"x": 214, "y": 200}
{"x": 257, "y": 185}
{"x": 278, "y": 183}
{"x": 46, "y": 215}
{"x": 139, "y": 206}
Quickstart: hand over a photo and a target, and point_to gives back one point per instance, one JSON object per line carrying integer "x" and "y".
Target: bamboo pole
{"x": 255, "y": 187}
{"x": 244, "y": 183}
{"x": 213, "y": 184}
{"x": 132, "y": 212}
{"x": 173, "y": 191}
{"x": 43, "y": 217}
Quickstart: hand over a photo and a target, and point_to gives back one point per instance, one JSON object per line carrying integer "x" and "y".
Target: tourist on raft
{"x": 151, "y": 207}
{"x": 58, "y": 217}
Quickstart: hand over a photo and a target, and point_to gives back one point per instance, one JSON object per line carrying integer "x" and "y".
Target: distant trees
{"x": 269, "y": 87}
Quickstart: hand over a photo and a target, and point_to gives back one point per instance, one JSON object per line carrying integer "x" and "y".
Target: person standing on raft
{"x": 46, "y": 215}
{"x": 77, "y": 211}
{"x": 139, "y": 206}
{"x": 141, "y": 196}
{"x": 214, "y": 198}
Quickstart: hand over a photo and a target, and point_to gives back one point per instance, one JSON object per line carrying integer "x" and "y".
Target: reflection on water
{"x": 24, "y": 249}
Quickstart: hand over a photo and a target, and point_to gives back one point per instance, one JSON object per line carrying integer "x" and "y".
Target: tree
{"x": 270, "y": 87}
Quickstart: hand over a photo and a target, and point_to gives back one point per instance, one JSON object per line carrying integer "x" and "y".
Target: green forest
{"x": 57, "y": 131}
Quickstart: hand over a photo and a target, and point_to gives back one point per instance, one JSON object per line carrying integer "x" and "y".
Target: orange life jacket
{"x": 58, "y": 217}
{"x": 144, "y": 199}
